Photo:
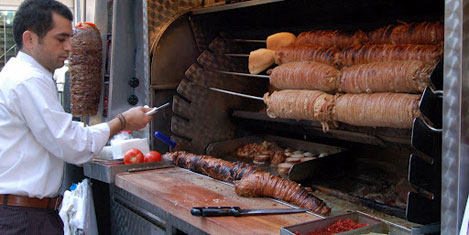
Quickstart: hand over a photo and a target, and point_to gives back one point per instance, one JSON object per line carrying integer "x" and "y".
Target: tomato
{"x": 152, "y": 156}
{"x": 133, "y": 156}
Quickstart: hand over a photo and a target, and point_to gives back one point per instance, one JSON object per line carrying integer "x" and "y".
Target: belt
{"x": 23, "y": 201}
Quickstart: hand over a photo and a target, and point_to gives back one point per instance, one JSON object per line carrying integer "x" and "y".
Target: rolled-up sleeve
{"x": 54, "y": 129}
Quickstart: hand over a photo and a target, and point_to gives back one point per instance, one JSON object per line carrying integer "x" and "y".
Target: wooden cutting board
{"x": 177, "y": 190}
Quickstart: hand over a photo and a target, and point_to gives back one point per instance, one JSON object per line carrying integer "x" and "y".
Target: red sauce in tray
{"x": 337, "y": 227}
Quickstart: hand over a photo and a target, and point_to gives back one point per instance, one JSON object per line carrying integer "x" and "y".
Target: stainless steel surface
{"x": 168, "y": 68}
{"x": 133, "y": 215}
{"x": 147, "y": 168}
{"x": 455, "y": 151}
{"x": 146, "y": 52}
{"x": 167, "y": 65}
{"x": 106, "y": 171}
{"x": 128, "y": 58}
{"x": 227, "y": 150}
{"x": 233, "y": 6}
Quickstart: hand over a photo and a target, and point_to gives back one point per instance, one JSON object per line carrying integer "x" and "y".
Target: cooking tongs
{"x": 236, "y": 211}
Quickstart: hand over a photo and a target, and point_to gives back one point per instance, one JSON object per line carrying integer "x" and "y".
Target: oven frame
{"x": 131, "y": 57}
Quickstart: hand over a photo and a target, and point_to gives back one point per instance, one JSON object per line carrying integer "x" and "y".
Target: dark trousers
{"x": 27, "y": 220}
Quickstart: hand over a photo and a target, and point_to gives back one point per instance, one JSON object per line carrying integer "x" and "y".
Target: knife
{"x": 236, "y": 211}
{"x": 165, "y": 139}
{"x": 155, "y": 109}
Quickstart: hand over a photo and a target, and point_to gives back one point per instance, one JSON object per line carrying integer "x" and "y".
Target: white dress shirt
{"x": 36, "y": 135}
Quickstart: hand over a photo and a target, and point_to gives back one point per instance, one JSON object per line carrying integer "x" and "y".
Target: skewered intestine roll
{"x": 410, "y": 76}
{"x": 305, "y": 75}
{"x": 300, "y": 105}
{"x": 265, "y": 184}
{"x": 207, "y": 165}
{"x": 294, "y": 53}
{"x": 241, "y": 169}
{"x": 211, "y": 166}
{"x": 377, "y": 110}
{"x": 379, "y": 53}
{"x": 408, "y": 33}
{"x": 327, "y": 38}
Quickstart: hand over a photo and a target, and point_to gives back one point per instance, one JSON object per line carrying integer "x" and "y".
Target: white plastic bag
{"x": 77, "y": 210}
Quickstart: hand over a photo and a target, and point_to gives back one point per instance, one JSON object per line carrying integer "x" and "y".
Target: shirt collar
{"x": 29, "y": 59}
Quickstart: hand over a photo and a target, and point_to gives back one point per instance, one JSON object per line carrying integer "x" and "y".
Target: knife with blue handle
{"x": 165, "y": 139}
{"x": 236, "y": 211}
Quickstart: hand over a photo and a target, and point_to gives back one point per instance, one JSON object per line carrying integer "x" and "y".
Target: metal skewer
{"x": 243, "y": 74}
{"x": 248, "y": 40}
{"x": 236, "y": 93}
{"x": 231, "y": 92}
{"x": 236, "y": 55}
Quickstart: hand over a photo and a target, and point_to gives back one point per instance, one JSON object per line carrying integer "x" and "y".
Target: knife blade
{"x": 155, "y": 109}
{"x": 237, "y": 211}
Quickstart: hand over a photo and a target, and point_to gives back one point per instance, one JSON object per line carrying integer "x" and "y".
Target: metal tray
{"x": 106, "y": 170}
{"x": 226, "y": 150}
{"x": 374, "y": 224}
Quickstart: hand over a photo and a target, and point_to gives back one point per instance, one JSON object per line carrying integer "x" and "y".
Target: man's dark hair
{"x": 36, "y": 15}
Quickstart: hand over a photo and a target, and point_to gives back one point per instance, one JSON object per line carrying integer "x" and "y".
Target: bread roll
{"x": 275, "y": 41}
{"x": 260, "y": 60}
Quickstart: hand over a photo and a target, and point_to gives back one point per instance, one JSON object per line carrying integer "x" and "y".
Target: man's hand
{"x": 136, "y": 118}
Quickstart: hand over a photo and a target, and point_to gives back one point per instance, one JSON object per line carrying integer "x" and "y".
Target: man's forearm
{"x": 114, "y": 126}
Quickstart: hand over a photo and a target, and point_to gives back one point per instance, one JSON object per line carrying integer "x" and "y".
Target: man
{"x": 37, "y": 137}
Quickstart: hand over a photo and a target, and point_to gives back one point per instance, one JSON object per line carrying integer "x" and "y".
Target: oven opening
{"x": 392, "y": 171}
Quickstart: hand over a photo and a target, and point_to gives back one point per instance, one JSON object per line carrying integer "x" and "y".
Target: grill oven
{"x": 188, "y": 52}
